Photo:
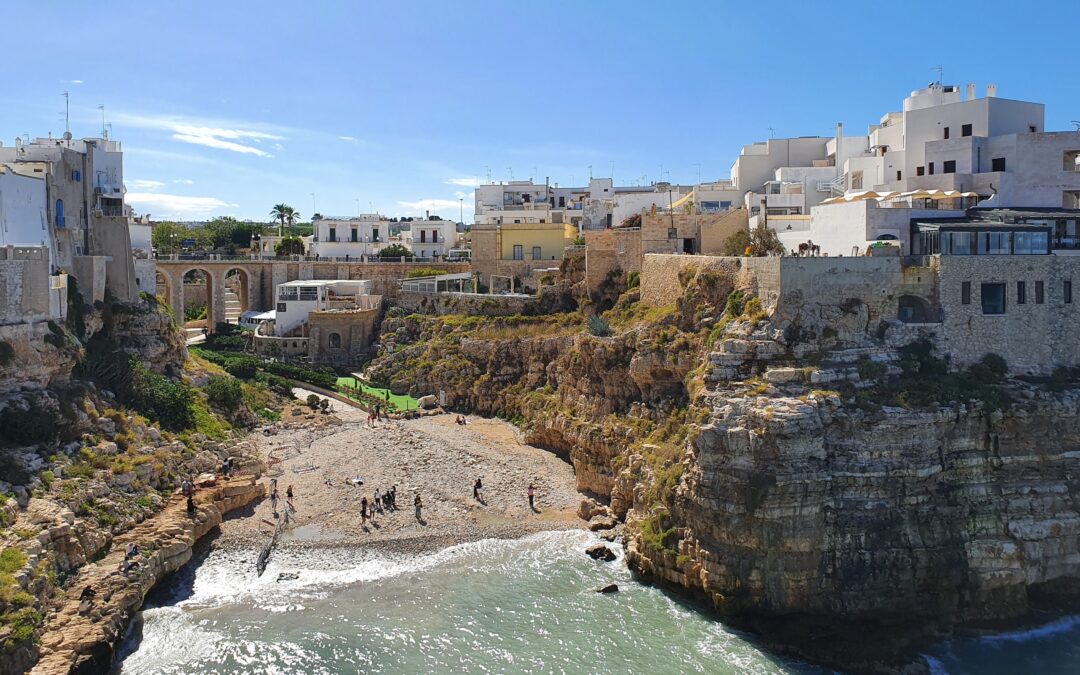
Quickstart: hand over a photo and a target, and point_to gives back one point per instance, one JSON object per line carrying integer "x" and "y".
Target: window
{"x": 1071, "y": 161}
{"x": 423, "y": 236}
{"x": 1039, "y": 295}
{"x": 931, "y": 167}
{"x": 1067, "y": 289}
{"x": 673, "y": 233}
{"x": 519, "y": 252}
{"x": 334, "y": 340}
{"x": 993, "y": 298}
{"x": 920, "y": 170}
{"x": 898, "y": 175}
{"x": 995, "y": 243}
{"x": 536, "y": 254}
{"x": 997, "y": 164}
{"x": 374, "y": 234}
{"x": 333, "y": 234}
{"x": 946, "y": 132}
{"x": 1032, "y": 128}
{"x": 562, "y": 201}
{"x": 856, "y": 180}
{"x": 355, "y": 235}
{"x": 965, "y": 130}
{"x": 1021, "y": 293}
{"x": 965, "y": 293}
{"x": 434, "y": 236}
{"x": 76, "y": 175}
{"x": 281, "y": 307}
{"x": 60, "y": 222}
{"x": 948, "y": 166}
{"x": 1031, "y": 243}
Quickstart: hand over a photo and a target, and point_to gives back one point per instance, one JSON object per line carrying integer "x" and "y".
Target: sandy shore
{"x": 433, "y": 456}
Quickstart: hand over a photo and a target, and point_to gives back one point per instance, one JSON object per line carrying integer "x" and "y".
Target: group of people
{"x": 380, "y": 503}
{"x": 228, "y": 467}
{"x": 274, "y": 497}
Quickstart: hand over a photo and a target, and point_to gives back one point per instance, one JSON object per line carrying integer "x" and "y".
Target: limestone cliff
{"x": 812, "y": 470}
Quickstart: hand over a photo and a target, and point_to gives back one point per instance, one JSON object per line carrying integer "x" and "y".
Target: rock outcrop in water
{"x": 80, "y": 636}
{"x": 814, "y": 472}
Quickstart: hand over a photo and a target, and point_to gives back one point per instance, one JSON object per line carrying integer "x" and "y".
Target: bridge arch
{"x": 215, "y": 305}
{"x": 237, "y": 293}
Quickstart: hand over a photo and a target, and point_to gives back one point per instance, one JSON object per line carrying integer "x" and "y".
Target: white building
{"x": 430, "y": 238}
{"x": 352, "y": 238}
{"x": 297, "y": 299}
{"x": 599, "y": 205}
{"x": 942, "y": 152}
{"x": 23, "y": 219}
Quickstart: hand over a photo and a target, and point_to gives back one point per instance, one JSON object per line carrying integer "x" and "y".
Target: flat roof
{"x": 324, "y": 282}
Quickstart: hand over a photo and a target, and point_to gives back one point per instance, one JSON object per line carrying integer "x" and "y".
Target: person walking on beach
{"x": 377, "y": 412}
{"x": 288, "y": 492}
{"x": 532, "y": 494}
{"x": 363, "y": 511}
{"x": 476, "y": 488}
{"x": 187, "y": 488}
{"x": 378, "y": 503}
{"x": 418, "y": 504}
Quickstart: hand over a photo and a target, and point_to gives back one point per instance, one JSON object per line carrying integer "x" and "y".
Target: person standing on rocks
{"x": 477, "y": 490}
{"x": 378, "y": 503}
{"x": 418, "y": 504}
{"x": 363, "y": 511}
{"x": 532, "y": 495}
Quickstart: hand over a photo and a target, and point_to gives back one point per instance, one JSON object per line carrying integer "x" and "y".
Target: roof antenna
{"x": 67, "y": 116}
{"x": 772, "y": 132}
{"x": 104, "y": 131}
{"x": 940, "y": 71}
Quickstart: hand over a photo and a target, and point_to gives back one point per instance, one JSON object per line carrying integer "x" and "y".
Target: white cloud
{"x": 464, "y": 182}
{"x": 175, "y": 205}
{"x": 184, "y": 181}
{"x": 347, "y": 138}
{"x": 279, "y": 147}
{"x": 147, "y": 184}
{"x": 231, "y": 136}
{"x": 76, "y": 81}
{"x": 436, "y": 205}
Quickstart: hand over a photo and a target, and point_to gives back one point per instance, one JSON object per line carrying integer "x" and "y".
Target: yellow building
{"x": 533, "y": 241}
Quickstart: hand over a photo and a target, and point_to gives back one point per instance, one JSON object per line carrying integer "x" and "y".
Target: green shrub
{"x": 313, "y": 401}
{"x": 395, "y": 251}
{"x": 990, "y": 370}
{"x": 633, "y": 280}
{"x": 224, "y": 392}
{"x": 598, "y": 326}
{"x": 47, "y": 477}
{"x": 161, "y": 399}
{"x": 195, "y": 312}
{"x": 12, "y": 560}
{"x": 422, "y": 272}
{"x": 870, "y": 370}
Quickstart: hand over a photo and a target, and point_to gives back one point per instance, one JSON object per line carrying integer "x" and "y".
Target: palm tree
{"x": 280, "y": 212}
{"x": 291, "y": 216}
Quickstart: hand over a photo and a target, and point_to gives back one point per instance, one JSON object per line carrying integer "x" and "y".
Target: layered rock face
{"x": 807, "y": 496}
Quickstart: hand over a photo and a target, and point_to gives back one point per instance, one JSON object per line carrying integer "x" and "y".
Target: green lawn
{"x": 401, "y": 402}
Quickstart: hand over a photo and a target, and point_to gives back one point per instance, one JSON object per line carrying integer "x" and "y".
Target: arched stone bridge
{"x": 255, "y": 279}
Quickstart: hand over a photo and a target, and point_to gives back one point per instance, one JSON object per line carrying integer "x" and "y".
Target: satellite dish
{"x": 67, "y": 135}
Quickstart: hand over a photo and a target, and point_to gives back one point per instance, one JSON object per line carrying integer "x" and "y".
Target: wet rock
{"x": 288, "y": 576}
{"x": 610, "y": 588}
{"x": 602, "y": 523}
{"x": 600, "y": 552}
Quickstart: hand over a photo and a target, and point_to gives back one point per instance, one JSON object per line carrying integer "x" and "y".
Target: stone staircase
{"x": 233, "y": 309}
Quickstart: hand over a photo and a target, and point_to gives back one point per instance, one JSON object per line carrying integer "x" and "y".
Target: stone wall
{"x": 355, "y": 331}
{"x": 89, "y": 272}
{"x": 716, "y": 230}
{"x": 110, "y": 238}
{"x": 24, "y": 284}
{"x": 463, "y": 303}
{"x": 1032, "y": 337}
{"x": 660, "y": 283}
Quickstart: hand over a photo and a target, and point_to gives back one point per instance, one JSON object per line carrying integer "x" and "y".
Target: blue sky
{"x": 229, "y": 107}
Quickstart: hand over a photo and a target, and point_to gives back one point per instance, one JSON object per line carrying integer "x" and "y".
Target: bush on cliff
{"x": 161, "y": 399}
{"x": 224, "y": 393}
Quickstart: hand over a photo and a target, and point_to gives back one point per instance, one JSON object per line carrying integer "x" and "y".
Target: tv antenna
{"x": 104, "y": 131}
{"x": 67, "y": 116}
{"x": 940, "y": 72}
{"x": 772, "y": 132}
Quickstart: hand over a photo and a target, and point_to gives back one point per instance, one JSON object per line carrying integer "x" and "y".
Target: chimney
{"x": 991, "y": 90}
{"x": 427, "y": 215}
{"x": 971, "y": 91}
{"x": 839, "y": 146}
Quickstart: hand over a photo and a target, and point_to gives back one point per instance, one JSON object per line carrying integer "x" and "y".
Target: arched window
{"x": 59, "y": 213}
{"x": 335, "y": 340}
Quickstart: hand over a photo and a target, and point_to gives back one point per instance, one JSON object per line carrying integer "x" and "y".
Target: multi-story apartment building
{"x": 62, "y": 211}
{"x": 354, "y": 238}
{"x": 430, "y": 238}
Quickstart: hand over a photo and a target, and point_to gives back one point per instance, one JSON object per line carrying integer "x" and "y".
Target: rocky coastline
{"x": 809, "y": 469}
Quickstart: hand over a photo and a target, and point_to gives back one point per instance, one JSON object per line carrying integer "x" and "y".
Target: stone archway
{"x": 215, "y": 306}
{"x": 913, "y": 309}
{"x": 236, "y": 293}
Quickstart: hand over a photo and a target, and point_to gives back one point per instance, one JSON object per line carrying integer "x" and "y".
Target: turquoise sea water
{"x": 505, "y": 606}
